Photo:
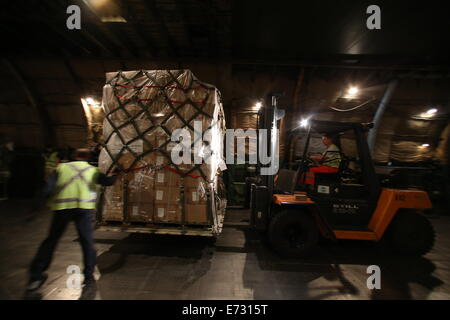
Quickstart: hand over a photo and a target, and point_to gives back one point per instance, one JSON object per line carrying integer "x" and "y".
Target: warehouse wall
{"x": 319, "y": 93}
{"x": 58, "y": 86}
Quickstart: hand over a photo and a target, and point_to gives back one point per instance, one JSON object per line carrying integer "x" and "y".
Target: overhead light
{"x": 425, "y": 145}
{"x": 257, "y": 106}
{"x": 429, "y": 113}
{"x": 106, "y": 10}
{"x": 352, "y": 91}
{"x": 113, "y": 19}
{"x": 96, "y": 3}
{"x": 90, "y": 102}
{"x": 304, "y": 123}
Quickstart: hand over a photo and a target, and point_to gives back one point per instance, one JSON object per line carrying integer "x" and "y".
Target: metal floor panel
{"x": 238, "y": 265}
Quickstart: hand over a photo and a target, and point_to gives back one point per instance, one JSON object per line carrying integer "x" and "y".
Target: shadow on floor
{"x": 152, "y": 263}
{"x": 398, "y": 272}
{"x": 151, "y": 245}
{"x": 143, "y": 266}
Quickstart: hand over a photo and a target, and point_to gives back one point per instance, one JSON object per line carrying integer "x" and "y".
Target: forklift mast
{"x": 261, "y": 193}
{"x": 268, "y": 116}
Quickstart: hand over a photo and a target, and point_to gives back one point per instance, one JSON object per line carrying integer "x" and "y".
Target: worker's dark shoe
{"x": 89, "y": 291}
{"x": 35, "y": 283}
{"x": 89, "y": 281}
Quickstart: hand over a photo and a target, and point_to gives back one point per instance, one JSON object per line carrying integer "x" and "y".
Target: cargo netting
{"x": 142, "y": 111}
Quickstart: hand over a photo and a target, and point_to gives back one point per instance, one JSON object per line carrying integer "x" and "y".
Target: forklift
{"x": 348, "y": 204}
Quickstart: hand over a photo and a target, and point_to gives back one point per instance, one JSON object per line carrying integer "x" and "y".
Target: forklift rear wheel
{"x": 293, "y": 234}
{"x": 412, "y": 234}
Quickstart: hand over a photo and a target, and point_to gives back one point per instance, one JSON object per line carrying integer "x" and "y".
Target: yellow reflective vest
{"x": 75, "y": 187}
{"x": 332, "y": 156}
{"x": 51, "y": 160}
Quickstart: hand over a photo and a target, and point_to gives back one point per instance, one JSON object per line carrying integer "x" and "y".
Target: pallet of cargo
{"x": 156, "y": 192}
{"x": 173, "y": 229}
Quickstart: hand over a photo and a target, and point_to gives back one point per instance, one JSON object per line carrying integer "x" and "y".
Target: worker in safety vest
{"x": 51, "y": 161}
{"x": 72, "y": 190}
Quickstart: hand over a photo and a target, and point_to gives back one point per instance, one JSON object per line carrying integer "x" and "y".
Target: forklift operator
{"x": 328, "y": 162}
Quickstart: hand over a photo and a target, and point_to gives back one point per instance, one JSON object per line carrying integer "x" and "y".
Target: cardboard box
{"x": 195, "y": 177}
{"x": 190, "y": 182}
{"x": 160, "y": 121}
{"x": 160, "y": 159}
{"x": 136, "y": 195}
{"x": 164, "y": 142}
{"x": 155, "y": 158}
{"x": 113, "y": 211}
{"x": 167, "y": 213}
{"x": 160, "y": 138}
{"x": 194, "y": 195}
{"x": 170, "y": 194}
{"x": 113, "y": 204}
{"x": 196, "y": 213}
{"x": 140, "y": 211}
{"x": 141, "y": 186}
{"x": 126, "y": 160}
{"x": 167, "y": 177}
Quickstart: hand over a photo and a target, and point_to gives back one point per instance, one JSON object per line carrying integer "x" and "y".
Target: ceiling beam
{"x": 125, "y": 42}
{"x": 17, "y": 33}
{"x": 15, "y": 23}
{"x": 181, "y": 9}
{"x": 152, "y": 10}
{"x": 73, "y": 77}
{"x": 55, "y": 24}
{"x": 212, "y": 34}
{"x": 48, "y": 135}
{"x": 113, "y": 33}
{"x": 332, "y": 64}
{"x": 137, "y": 29}
{"x": 57, "y": 13}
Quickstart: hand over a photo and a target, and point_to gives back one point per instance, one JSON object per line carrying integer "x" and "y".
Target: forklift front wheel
{"x": 293, "y": 234}
{"x": 411, "y": 233}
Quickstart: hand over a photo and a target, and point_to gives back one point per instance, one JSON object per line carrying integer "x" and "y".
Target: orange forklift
{"x": 348, "y": 204}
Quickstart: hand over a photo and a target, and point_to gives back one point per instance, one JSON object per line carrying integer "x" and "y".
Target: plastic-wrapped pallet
{"x": 143, "y": 109}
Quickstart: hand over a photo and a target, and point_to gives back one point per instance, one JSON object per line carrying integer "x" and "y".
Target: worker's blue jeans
{"x": 61, "y": 218}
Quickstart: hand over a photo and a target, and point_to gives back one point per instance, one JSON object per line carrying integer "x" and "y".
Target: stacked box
{"x": 196, "y": 201}
{"x": 140, "y": 197}
{"x": 167, "y": 196}
{"x": 113, "y": 201}
{"x": 143, "y": 109}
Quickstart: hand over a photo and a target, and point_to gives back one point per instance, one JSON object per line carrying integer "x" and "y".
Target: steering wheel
{"x": 309, "y": 163}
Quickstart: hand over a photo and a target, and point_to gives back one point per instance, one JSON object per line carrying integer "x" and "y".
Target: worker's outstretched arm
{"x": 50, "y": 185}
{"x": 106, "y": 180}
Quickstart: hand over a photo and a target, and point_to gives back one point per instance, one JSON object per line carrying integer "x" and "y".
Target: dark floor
{"x": 237, "y": 266}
